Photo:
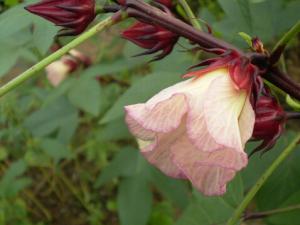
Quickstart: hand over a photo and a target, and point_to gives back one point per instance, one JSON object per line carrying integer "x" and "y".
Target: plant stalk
{"x": 260, "y": 215}
{"x": 145, "y": 12}
{"x": 282, "y": 43}
{"x": 190, "y": 14}
{"x": 236, "y": 217}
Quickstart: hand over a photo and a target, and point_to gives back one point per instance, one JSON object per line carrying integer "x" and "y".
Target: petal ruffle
{"x": 208, "y": 171}
{"x": 158, "y": 152}
{"x": 163, "y": 116}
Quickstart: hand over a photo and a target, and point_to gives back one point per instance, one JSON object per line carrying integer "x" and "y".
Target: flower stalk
{"x": 145, "y": 12}
{"x": 31, "y": 72}
{"x": 251, "y": 194}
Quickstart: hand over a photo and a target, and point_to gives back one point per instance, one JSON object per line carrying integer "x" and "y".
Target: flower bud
{"x": 270, "y": 119}
{"x": 167, "y": 3}
{"x": 151, "y": 37}
{"x": 73, "y": 15}
{"x": 258, "y": 46}
{"x": 59, "y": 70}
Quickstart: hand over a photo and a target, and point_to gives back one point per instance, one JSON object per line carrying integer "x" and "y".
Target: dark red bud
{"x": 167, "y": 3}
{"x": 269, "y": 122}
{"x": 153, "y": 38}
{"x": 73, "y": 15}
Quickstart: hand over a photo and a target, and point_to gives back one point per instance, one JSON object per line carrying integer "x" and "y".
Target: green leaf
{"x": 9, "y": 55}
{"x": 247, "y": 38}
{"x": 14, "y": 20}
{"x": 11, "y": 183}
{"x": 85, "y": 94}
{"x": 258, "y": 164}
{"x": 59, "y": 116}
{"x": 257, "y": 18}
{"x": 108, "y": 68}
{"x": 175, "y": 190}
{"x": 140, "y": 92}
{"x": 284, "y": 182}
{"x": 134, "y": 201}
{"x": 56, "y": 150}
{"x": 43, "y": 34}
{"x": 291, "y": 217}
{"x": 124, "y": 164}
{"x": 115, "y": 130}
{"x": 213, "y": 210}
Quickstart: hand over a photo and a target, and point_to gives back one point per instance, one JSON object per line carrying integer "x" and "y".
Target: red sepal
{"x": 242, "y": 72}
{"x": 270, "y": 119}
{"x": 151, "y": 37}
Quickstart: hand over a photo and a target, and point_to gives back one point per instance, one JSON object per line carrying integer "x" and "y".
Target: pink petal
{"x": 208, "y": 171}
{"x": 158, "y": 152}
{"x": 135, "y": 128}
{"x": 196, "y": 124}
{"x": 197, "y": 130}
{"x": 163, "y": 116}
{"x": 222, "y": 108}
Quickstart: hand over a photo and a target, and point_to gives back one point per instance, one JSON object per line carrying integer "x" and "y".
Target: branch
{"x": 145, "y": 12}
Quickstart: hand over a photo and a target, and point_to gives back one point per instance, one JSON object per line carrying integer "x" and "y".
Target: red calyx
{"x": 269, "y": 122}
{"x": 151, "y": 37}
{"x": 73, "y": 15}
{"x": 242, "y": 72}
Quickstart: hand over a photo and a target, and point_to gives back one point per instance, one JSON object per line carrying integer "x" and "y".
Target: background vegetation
{"x": 66, "y": 156}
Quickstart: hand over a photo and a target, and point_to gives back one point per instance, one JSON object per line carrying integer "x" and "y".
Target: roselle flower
{"x": 151, "y": 37}
{"x": 196, "y": 129}
{"x": 270, "y": 119}
{"x": 73, "y": 15}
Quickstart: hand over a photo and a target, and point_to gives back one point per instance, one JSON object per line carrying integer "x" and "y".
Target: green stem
{"x": 250, "y": 195}
{"x": 38, "y": 204}
{"x": 190, "y": 14}
{"x": 56, "y": 55}
{"x": 259, "y": 215}
{"x": 287, "y": 37}
{"x": 74, "y": 191}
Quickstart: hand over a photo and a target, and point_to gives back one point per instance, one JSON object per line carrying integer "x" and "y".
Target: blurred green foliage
{"x": 66, "y": 156}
